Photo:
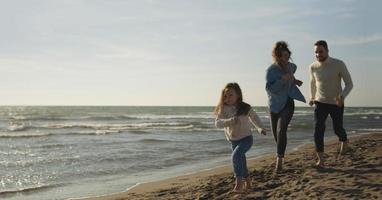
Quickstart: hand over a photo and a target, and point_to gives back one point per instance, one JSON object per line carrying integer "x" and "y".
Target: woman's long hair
{"x": 242, "y": 107}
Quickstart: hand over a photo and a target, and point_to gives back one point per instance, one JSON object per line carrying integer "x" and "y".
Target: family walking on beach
{"x": 237, "y": 117}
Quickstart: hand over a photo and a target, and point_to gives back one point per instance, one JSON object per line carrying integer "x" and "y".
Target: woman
{"x": 282, "y": 90}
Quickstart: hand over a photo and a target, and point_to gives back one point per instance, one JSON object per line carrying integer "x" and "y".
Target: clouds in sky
{"x": 92, "y": 52}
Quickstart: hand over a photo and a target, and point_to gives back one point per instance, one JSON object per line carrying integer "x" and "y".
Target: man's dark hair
{"x": 321, "y": 43}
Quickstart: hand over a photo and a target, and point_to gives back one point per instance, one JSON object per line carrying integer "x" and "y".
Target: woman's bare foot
{"x": 248, "y": 183}
{"x": 344, "y": 147}
{"x": 279, "y": 164}
{"x": 320, "y": 160}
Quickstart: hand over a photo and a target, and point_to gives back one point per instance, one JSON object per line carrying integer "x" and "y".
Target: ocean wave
{"x": 365, "y": 113}
{"x": 55, "y": 145}
{"x": 38, "y": 130}
{"x": 42, "y": 118}
{"x": 45, "y": 134}
{"x": 149, "y": 117}
{"x": 139, "y": 132}
{"x": 169, "y": 125}
{"x": 205, "y": 129}
{"x": 179, "y": 129}
{"x": 24, "y": 135}
{"x": 59, "y": 118}
{"x": 17, "y": 127}
{"x": 155, "y": 140}
{"x": 371, "y": 129}
{"x": 120, "y": 127}
{"x": 152, "y": 140}
{"x": 27, "y": 189}
{"x": 110, "y": 117}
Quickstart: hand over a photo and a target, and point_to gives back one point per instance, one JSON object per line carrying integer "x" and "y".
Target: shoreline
{"x": 168, "y": 188}
{"x": 142, "y": 187}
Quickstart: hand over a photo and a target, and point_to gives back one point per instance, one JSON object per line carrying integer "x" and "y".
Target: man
{"x": 328, "y": 96}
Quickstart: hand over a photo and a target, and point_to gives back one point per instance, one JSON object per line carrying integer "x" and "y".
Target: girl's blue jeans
{"x": 239, "y": 161}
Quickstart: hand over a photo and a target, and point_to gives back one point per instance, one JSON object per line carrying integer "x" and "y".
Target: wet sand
{"x": 355, "y": 175}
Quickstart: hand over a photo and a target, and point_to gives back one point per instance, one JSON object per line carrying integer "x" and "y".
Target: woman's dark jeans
{"x": 279, "y": 124}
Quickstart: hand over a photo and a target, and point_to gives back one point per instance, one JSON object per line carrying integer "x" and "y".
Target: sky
{"x": 177, "y": 53}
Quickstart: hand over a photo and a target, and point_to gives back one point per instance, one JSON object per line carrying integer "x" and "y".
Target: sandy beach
{"x": 354, "y": 175}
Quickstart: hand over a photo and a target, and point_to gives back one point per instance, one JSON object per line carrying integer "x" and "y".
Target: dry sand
{"x": 354, "y": 175}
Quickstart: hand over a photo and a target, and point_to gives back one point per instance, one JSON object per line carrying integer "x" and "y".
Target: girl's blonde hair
{"x": 242, "y": 107}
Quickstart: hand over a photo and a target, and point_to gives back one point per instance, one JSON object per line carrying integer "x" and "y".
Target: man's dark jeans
{"x": 320, "y": 114}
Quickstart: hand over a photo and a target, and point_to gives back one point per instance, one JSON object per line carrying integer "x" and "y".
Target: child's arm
{"x": 221, "y": 122}
{"x": 255, "y": 119}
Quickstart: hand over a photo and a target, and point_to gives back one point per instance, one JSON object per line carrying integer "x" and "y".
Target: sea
{"x": 61, "y": 152}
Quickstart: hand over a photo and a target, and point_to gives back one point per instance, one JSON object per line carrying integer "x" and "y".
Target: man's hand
{"x": 311, "y": 102}
{"x": 339, "y": 101}
{"x": 298, "y": 82}
{"x": 263, "y": 131}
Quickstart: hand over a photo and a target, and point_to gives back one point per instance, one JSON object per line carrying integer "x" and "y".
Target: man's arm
{"x": 344, "y": 73}
{"x": 313, "y": 87}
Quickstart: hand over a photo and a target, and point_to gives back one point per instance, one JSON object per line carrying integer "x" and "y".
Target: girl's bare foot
{"x": 239, "y": 186}
{"x": 248, "y": 183}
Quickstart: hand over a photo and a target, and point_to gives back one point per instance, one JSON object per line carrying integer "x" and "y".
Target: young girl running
{"x": 235, "y": 116}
